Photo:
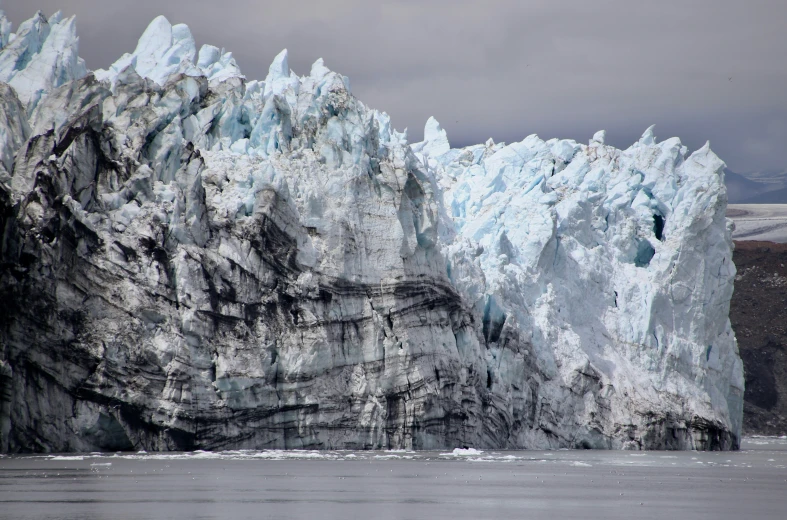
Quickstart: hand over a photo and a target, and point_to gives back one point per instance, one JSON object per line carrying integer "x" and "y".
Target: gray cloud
{"x": 509, "y": 68}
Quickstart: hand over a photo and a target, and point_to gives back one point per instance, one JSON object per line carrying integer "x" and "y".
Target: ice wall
{"x": 194, "y": 260}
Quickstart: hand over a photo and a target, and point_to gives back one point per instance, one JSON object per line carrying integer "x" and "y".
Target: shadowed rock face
{"x": 758, "y": 313}
{"x": 193, "y": 261}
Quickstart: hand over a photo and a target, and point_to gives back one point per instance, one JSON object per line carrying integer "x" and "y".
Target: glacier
{"x": 194, "y": 260}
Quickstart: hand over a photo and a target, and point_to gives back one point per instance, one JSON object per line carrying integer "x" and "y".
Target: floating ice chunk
{"x": 464, "y": 452}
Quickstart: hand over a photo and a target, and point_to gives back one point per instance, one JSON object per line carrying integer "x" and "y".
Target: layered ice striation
{"x": 191, "y": 260}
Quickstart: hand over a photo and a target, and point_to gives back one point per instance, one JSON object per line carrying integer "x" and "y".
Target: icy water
{"x": 462, "y": 484}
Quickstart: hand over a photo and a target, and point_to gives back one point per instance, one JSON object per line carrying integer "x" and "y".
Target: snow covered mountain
{"x": 193, "y": 260}
{"x": 741, "y": 189}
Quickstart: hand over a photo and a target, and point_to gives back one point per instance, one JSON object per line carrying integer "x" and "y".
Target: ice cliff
{"x": 193, "y": 260}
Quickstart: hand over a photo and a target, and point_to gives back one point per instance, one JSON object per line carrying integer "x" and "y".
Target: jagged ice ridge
{"x": 193, "y": 260}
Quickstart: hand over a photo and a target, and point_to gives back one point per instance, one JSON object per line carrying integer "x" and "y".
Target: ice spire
{"x": 42, "y": 55}
{"x": 162, "y": 50}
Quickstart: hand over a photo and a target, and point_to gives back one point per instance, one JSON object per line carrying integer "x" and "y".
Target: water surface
{"x": 455, "y": 485}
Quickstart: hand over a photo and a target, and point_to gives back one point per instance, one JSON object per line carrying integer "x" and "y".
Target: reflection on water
{"x": 458, "y": 484}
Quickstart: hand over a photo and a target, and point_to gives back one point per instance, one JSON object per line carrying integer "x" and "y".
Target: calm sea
{"x": 455, "y": 485}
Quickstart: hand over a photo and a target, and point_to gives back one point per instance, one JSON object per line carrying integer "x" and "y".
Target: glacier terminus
{"x": 194, "y": 260}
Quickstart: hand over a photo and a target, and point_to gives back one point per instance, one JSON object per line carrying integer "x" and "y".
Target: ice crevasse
{"x": 193, "y": 260}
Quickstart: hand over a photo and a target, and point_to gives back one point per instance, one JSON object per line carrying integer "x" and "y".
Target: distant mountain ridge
{"x": 766, "y": 187}
{"x": 769, "y": 197}
{"x": 775, "y": 178}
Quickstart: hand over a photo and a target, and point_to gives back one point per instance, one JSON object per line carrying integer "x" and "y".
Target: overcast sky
{"x": 505, "y": 68}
